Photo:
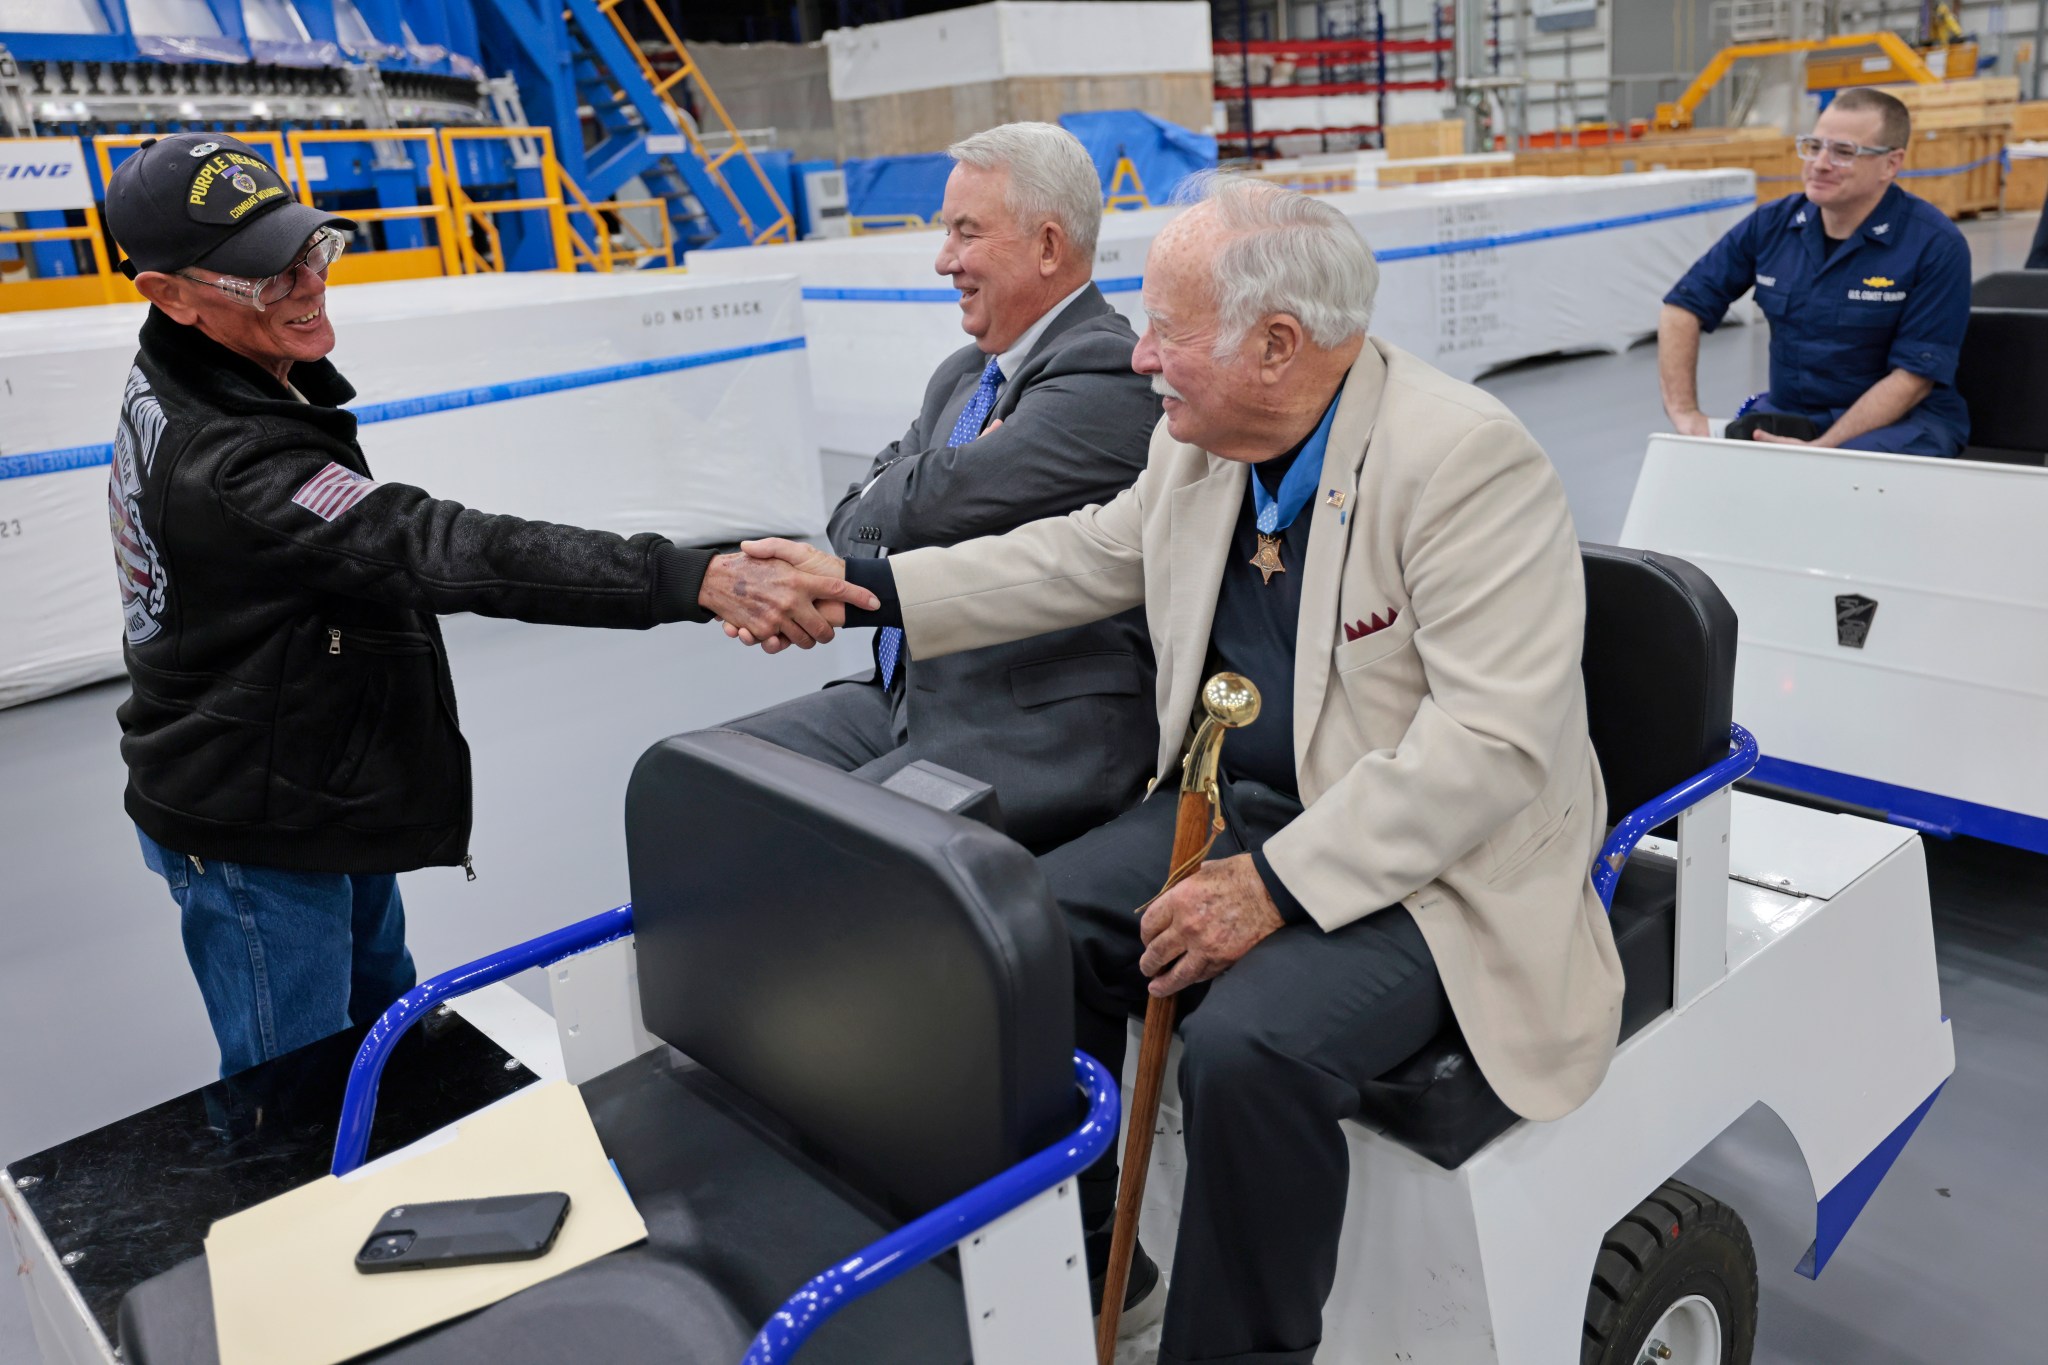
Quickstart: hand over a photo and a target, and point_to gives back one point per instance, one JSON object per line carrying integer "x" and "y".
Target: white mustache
{"x": 1164, "y": 389}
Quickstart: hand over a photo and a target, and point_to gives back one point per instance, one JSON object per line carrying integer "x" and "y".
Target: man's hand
{"x": 1692, "y": 423}
{"x": 783, "y": 591}
{"x": 1204, "y": 925}
{"x": 1773, "y": 438}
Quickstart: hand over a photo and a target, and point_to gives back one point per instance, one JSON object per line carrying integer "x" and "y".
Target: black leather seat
{"x": 2011, "y": 289}
{"x": 875, "y": 1001}
{"x": 2003, "y": 377}
{"x": 1659, "y": 667}
{"x": 891, "y": 979}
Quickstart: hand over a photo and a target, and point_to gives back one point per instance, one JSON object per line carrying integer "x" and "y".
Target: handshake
{"x": 777, "y": 593}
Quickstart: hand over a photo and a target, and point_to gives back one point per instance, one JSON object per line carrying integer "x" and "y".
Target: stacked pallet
{"x": 1954, "y": 168}
{"x": 1993, "y": 100}
{"x": 2026, "y": 179}
{"x": 1873, "y": 66}
{"x": 1413, "y": 141}
{"x": 1766, "y": 151}
{"x": 1434, "y": 169}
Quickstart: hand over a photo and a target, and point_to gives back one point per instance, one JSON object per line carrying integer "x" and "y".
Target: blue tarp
{"x": 897, "y": 184}
{"x": 1164, "y": 154}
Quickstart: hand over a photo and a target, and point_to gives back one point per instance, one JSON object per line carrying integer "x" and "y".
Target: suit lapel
{"x": 1329, "y": 539}
{"x": 1088, "y": 304}
{"x": 1201, "y": 515}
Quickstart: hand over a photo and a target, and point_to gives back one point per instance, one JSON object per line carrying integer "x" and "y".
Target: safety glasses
{"x": 319, "y": 255}
{"x": 1838, "y": 154}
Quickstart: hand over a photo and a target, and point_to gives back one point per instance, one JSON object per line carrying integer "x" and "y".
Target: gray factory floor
{"x": 100, "y": 1017}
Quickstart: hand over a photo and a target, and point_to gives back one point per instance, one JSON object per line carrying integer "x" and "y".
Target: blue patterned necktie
{"x": 889, "y": 639}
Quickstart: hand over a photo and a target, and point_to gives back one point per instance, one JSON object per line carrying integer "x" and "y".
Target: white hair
{"x": 1051, "y": 176}
{"x": 1286, "y": 253}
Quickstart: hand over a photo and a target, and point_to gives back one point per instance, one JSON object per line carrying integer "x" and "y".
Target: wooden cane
{"x": 1231, "y": 702}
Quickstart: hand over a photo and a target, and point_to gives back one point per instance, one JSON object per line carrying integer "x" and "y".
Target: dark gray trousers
{"x": 851, "y": 724}
{"x": 1275, "y": 1052}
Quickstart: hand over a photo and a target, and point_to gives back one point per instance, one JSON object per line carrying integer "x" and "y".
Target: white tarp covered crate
{"x": 626, "y": 403}
{"x": 1474, "y": 274}
{"x": 1019, "y": 38}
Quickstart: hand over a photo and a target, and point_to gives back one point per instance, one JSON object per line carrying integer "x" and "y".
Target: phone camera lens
{"x": 388, "y": 1247}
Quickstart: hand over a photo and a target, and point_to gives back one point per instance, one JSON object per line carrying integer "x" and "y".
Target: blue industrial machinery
{"x": 655, "y": 127}
{"x": 129, "y": 68}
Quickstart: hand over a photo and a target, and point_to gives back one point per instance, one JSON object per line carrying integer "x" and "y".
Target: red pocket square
{"x": 1358, "y": 630}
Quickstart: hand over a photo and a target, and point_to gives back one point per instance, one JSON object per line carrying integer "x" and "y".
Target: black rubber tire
{"x": 1676, "y": 1243}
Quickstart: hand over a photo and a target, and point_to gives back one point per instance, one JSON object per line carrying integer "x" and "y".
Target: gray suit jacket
{"x": 1062, "y": 723}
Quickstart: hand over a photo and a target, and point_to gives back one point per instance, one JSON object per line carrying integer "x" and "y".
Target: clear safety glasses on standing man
{"x": 320, "y": 253}
{"x": 1840, "y": 154}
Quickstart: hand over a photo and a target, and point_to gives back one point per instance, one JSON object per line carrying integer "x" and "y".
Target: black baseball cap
{"x": 208, "y": 200}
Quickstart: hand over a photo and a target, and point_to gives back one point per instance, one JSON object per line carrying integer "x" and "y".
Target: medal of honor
{"x": 1267, "y": 560}
{"x": 1274, "y": 514}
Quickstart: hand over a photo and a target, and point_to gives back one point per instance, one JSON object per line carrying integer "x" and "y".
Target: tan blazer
{"x": 1443, "y": 760}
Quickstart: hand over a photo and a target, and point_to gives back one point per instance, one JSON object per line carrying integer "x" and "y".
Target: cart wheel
{"x": 1675, "y": 1285}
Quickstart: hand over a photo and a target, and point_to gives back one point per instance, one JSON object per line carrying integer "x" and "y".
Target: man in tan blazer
{"x": 1413, "y": 817}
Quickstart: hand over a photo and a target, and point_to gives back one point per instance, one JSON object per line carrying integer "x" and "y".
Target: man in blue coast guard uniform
{"x": 1867, "y": 289}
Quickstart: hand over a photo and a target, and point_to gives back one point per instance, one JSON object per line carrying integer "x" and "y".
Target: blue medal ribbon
{"x": 1277, "y": 514}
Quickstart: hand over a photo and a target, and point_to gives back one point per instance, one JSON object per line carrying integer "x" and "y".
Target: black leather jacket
{"x": 291, "y": 704}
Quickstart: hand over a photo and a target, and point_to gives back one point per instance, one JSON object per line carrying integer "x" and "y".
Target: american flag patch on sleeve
{"x": 333, "y": 491}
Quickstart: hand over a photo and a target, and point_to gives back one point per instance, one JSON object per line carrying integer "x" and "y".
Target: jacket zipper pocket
{"x": 379, "y": 641}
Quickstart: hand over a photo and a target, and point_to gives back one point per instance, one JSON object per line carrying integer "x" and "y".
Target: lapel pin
{"x": 1336, "y": 499}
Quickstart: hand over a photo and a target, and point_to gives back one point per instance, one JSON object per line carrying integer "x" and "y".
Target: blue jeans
{"x": 285, "y": 958}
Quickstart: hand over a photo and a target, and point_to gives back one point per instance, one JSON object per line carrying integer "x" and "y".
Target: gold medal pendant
{"x": 1267, "y": 560}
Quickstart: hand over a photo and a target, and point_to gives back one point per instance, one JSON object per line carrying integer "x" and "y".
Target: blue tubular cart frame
{"x": 359, "y": 1100}
{"x": 910, "y": 1246}
{"x": 867, "y": 1270}
{"x": 1632, "y": 827}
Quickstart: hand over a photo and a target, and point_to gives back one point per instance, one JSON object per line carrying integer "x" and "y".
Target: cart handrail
{"x": 911, "y": 1245}
{"x": 1629, "y": 832}
{"x": 359, "y": 1100}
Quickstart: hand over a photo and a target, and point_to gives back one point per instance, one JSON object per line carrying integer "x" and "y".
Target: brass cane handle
{"x": 1232, "y": 703}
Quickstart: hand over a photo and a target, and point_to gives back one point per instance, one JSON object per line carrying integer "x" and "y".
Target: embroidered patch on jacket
{"x": 333, "y": 491}
{"x": 144, "y": 584}
{"x": 1359, "y": 630}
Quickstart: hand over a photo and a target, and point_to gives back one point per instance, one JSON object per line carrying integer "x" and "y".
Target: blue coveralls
{"x": 1894, "y": 296}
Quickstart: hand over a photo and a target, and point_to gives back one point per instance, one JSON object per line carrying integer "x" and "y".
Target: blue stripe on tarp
{"x": 1409, "y": 253}
{"x": 1128, "y": 283}
{"x": 85, "y": 457}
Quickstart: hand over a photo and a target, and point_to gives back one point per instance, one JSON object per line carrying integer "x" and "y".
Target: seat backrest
{"x": 1659, "y": 665}
{"x": 2011, "y": 289}
{"x": 890, "y": 979}
{"x": 2002, "y": 376}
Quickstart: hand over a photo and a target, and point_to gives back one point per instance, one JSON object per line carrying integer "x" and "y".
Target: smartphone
{"x": 510, "y": 1227}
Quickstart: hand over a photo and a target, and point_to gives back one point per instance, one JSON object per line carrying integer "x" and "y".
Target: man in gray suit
{"x": 1040, "y": 416}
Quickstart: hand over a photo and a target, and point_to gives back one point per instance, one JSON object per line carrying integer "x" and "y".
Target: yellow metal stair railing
{"x": 463, "y": 209}
{"x": 605, "y": 255}
{"x": 783, "y": 229}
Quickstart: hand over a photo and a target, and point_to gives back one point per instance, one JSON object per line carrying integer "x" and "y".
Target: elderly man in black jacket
{"x": 291, "y": 738}
{"x": 1040, "y": 415}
